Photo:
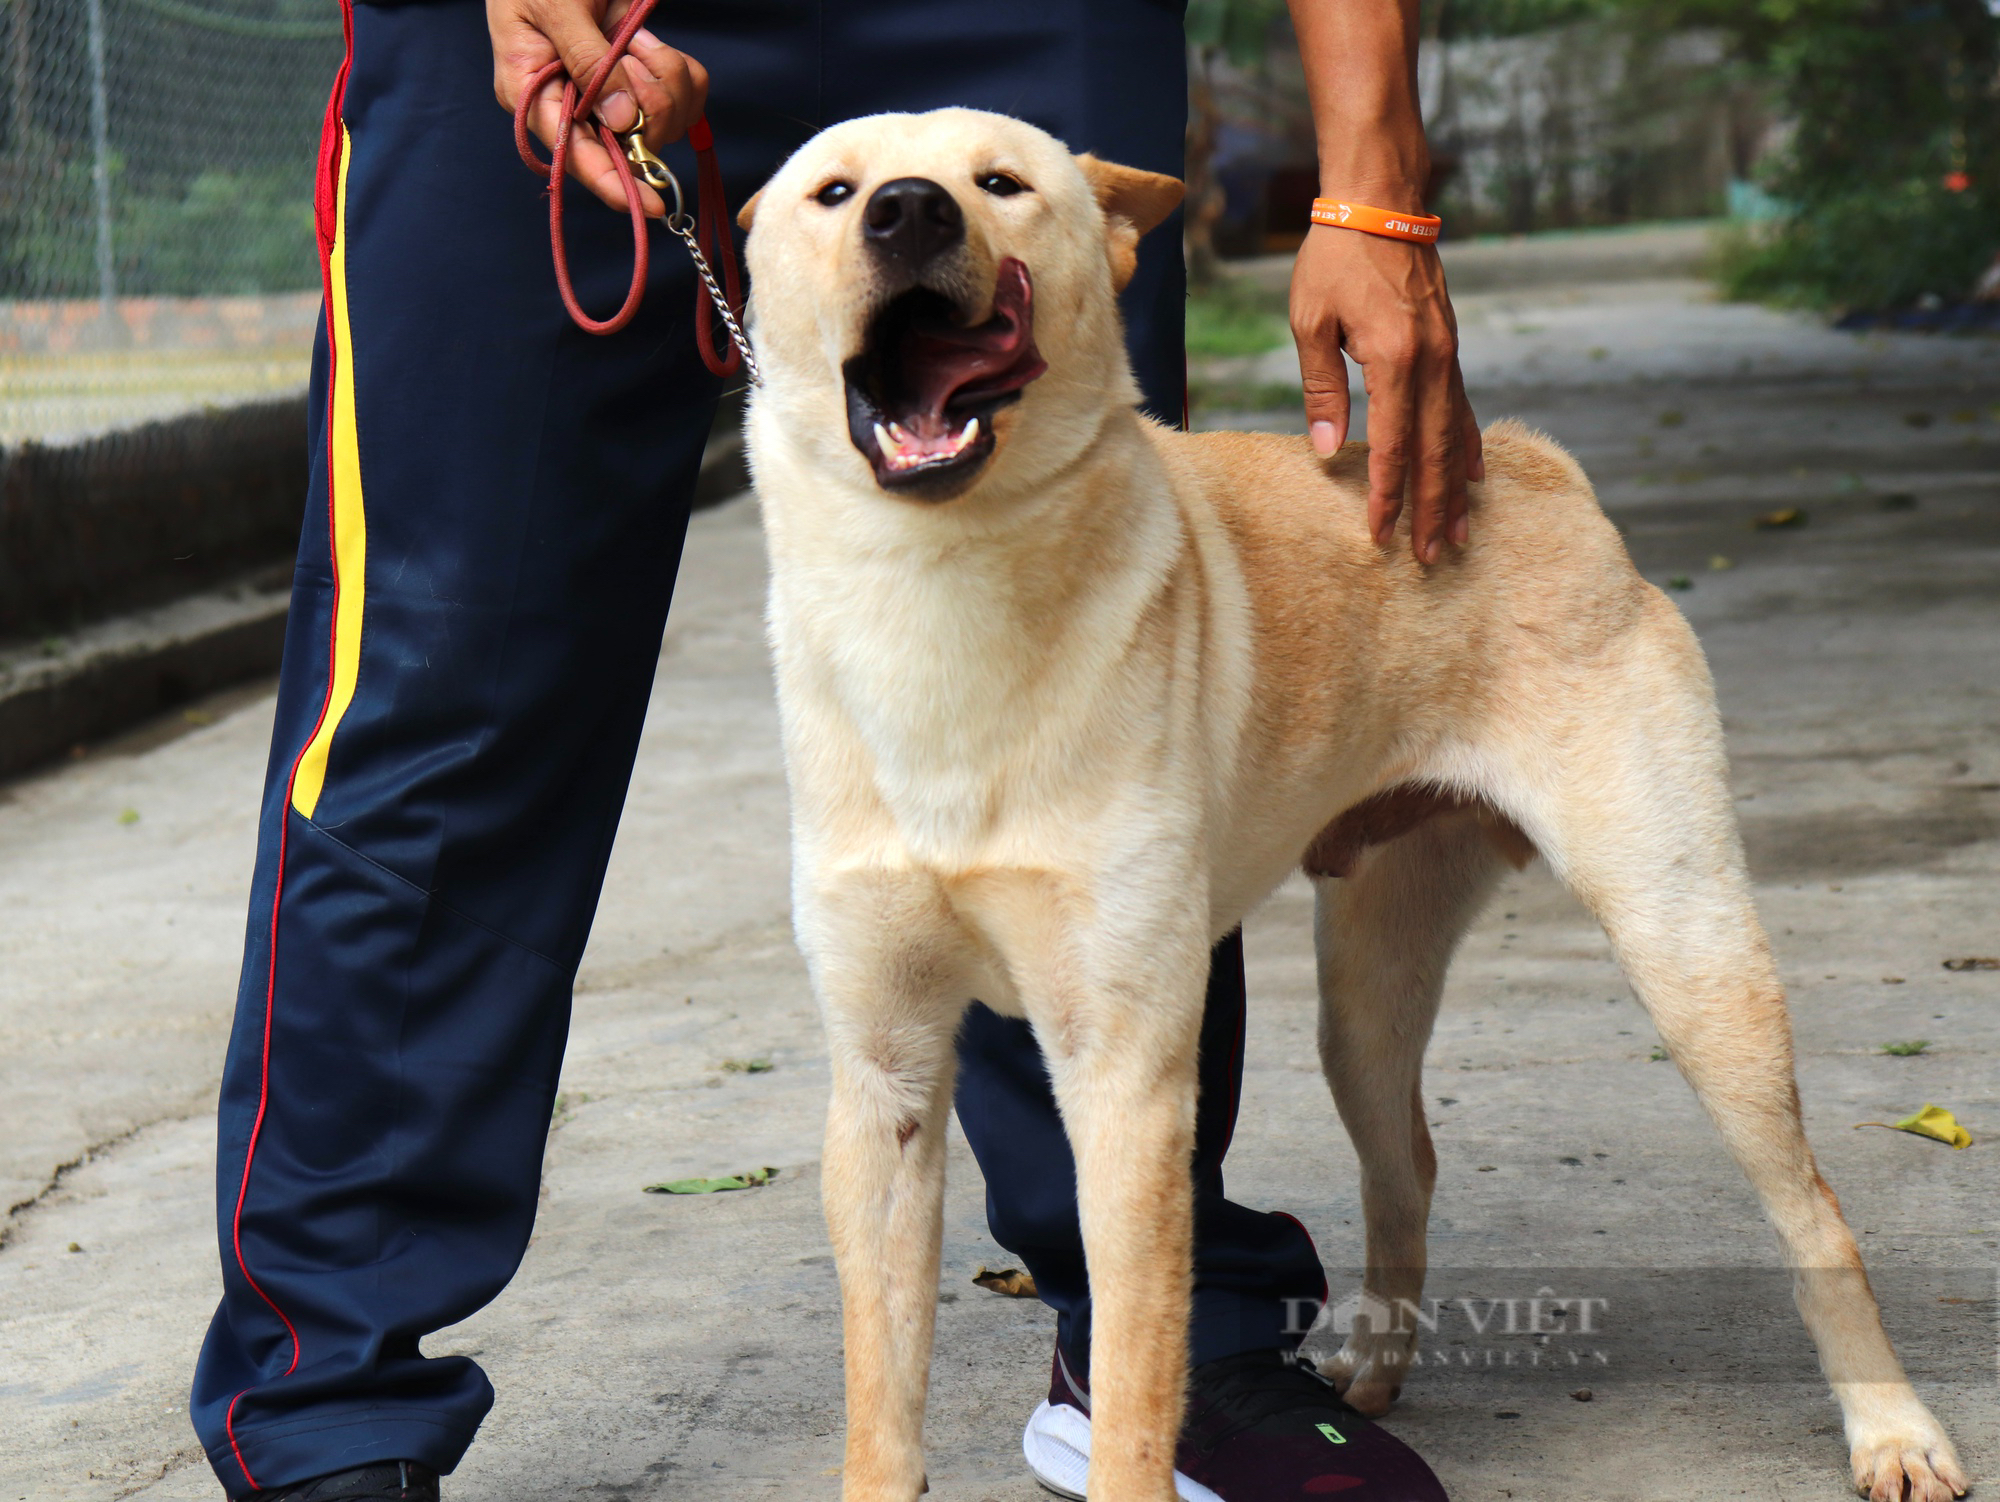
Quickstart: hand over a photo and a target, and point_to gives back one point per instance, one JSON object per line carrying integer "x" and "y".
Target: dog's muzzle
{"x": 922, "y": 393}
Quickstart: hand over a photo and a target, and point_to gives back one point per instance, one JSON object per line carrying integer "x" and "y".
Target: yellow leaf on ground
{"x": 1008, "y": 1280}
{"x": 1932, "y": 1121}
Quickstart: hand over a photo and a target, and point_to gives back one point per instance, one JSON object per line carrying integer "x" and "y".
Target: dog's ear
{"x": 747, "y": 215}
{"x": 1141, "y": 199}
{"x": 1133, "y": 202}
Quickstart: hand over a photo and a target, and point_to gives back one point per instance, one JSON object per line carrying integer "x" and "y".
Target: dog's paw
{"x": 1918, "y": 1467}
{"x": 1367, "y": 1372}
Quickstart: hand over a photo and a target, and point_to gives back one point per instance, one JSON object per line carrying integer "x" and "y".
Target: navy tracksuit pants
{"x": 495, "y": 518}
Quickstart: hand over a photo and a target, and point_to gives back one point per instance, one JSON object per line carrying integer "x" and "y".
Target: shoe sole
{"x": 1056, "y": 1445}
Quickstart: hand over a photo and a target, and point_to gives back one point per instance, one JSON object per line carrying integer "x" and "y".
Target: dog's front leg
{"x": 1123, "y": 1062}
{"x": 883, "y": 955}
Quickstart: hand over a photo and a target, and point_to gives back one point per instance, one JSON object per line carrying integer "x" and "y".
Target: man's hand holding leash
{"x": 669, "y": 86}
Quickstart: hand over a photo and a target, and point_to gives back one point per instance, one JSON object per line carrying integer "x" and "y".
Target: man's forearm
{"x": 1360, "y": 60}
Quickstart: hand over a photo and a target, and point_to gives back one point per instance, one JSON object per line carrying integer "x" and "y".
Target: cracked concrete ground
{"x": 654, "y": 1346}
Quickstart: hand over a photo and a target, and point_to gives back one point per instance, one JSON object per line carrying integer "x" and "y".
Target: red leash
{"x": 708, "y": 236}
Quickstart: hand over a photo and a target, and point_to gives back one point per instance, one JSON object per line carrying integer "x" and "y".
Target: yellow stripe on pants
{"x": 350, "y": 523}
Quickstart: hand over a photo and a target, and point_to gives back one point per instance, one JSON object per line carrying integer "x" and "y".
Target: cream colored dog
{"x": 1066, "y": 693}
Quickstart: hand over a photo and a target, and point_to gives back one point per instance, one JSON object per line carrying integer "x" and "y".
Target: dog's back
{"x": 1544, "y": 586}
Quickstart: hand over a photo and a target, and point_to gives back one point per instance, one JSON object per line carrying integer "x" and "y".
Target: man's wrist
{"x": 1397, "y": 184}
{"x": 1375, "y": 147}
{"x": 1387, "y": 172}
{"x": 1398, "y": 196}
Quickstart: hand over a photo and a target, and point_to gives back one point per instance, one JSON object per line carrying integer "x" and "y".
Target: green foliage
{"x": 1888, "y": 98}
{"x": 1452, "y": 19}
{"x": 1239, "y": 29}
{"x": 230, "y": 232}
{"x": 1866, "y": 249}
{"x": 224, "y": 233}
{"x": 46, "y": 249}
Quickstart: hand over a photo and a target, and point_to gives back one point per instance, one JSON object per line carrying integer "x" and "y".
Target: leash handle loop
{"x": 710, "y": 239}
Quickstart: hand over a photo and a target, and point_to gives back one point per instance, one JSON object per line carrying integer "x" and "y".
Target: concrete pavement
{"x": 657, "y": 1346}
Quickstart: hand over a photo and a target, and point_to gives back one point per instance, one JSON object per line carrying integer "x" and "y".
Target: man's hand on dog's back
{"x": 1382, "y": 300}
{"x": 670, "y": 86}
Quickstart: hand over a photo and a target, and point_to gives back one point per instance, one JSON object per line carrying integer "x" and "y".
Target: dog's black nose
{"x": 912, "y": 220}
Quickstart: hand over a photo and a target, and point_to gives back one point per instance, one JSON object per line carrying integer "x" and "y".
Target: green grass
{"x": 1907, "y": 1050}
{"x": 1234, "y": 318}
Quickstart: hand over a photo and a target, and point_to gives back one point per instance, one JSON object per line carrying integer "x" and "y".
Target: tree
{"x": 1239, "y": 30}
{"x": 1891, "y": 175}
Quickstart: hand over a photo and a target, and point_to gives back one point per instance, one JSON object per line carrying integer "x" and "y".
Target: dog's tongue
{"x": 942, "y": 363}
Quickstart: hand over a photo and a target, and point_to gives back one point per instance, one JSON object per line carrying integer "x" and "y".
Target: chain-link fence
{"x": 157, "y": 253}
{"x": 160, "y": 147}
{"x": 158, "y": 300}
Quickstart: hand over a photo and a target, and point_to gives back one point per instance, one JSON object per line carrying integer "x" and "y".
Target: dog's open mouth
{"x": 922, "y": 393}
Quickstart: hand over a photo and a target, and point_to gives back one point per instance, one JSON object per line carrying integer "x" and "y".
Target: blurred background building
{"x": 1588, "y": 123}
{"x": 1852, "y": 146}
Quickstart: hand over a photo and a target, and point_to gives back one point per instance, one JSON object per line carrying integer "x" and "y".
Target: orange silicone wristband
{"x": 1340, "y": 215}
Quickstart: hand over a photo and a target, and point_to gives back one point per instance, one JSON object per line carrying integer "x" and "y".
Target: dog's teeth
{"x": 889, "y": 446}
{"x": 896, "y": 432}
{"x": 971, "y": 432}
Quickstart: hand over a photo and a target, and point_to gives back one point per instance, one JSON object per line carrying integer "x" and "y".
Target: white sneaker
{"x": 1056, "y": 1442}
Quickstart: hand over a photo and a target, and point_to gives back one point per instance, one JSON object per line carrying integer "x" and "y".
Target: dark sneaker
{"x": 1259, "y": 1428}
{"x": 385, "y": 1481}
{"x": 1262, "y": 1428}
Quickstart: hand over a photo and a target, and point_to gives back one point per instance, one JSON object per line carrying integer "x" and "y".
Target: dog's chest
{"x": 971, "y": 728}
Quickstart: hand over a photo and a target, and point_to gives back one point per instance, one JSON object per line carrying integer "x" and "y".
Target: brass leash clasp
{"x": 648, "y": 168}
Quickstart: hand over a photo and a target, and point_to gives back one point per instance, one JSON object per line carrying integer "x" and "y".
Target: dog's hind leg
{"x": 1385, "y": 933}
{"x": 885, "y": 957}
{"x": 1632, "y": 809}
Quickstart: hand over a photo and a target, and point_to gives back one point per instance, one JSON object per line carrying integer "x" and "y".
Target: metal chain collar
{"x": 683, "y": 225}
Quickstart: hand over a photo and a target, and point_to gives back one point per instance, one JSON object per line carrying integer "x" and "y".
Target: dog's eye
{"x": 835, "y": 192}
{"x": 1001, "y": 184}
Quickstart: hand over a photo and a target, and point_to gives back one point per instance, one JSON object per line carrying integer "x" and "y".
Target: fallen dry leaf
{"x": 1008, "y": 1280}
{"x": 1973, "y": 962}
{"x": 1932, "y": 1121}
{"x": 749, "y": 1179}
{"x": 1787, "y": 516}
